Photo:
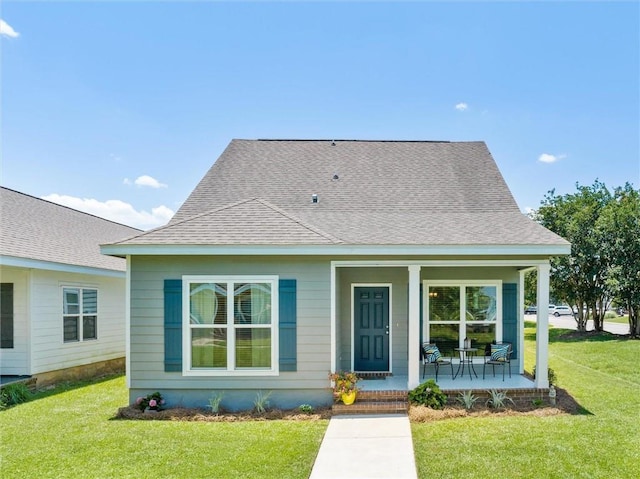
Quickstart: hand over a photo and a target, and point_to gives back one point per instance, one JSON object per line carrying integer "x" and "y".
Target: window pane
{"x": 446, "y": 337}
{"x": 253, "y": 348}
{"x": 209, "y": 348}
{"x": 71, "y": 301}
{"x": 89, "y": 301}
{"x": 89, "y": 330}
{"x": 444, "y": 303}
{"x": 481, "y": 303}
{"x": 252, "y": 303}
{"x": 208, "y": 303}
{"x": 481, "y": 335}
{"x": 70, "y": 329}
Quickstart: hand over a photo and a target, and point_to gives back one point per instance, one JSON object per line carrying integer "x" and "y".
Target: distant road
{"x": 567, "y": 322}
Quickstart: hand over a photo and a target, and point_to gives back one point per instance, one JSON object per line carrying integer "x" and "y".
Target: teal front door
{"x": 371, "y": 328}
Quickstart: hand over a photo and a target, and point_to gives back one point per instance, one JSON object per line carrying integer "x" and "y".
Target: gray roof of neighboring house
{"x": 369, "y": 193}
{"x": 36, "y": 229}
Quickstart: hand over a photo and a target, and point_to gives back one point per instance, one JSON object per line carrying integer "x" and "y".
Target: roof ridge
{"x": 295, "y": 219}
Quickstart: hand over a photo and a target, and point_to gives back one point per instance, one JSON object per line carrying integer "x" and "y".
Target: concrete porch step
{"x": 375, "y": 402}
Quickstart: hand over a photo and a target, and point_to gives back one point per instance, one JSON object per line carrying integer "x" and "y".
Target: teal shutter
{"x": 510, "y": 315}
{"x": 172, "y": 325}
{"x": 6, "y": 315}
{"x": 287, "y": 324}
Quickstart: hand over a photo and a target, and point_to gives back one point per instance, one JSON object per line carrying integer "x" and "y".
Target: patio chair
{"x": 498, "y": 354}
{"x": 430, "y": 354}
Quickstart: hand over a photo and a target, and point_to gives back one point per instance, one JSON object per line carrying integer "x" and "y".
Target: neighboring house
{"x": 294, "y": 258}
{"x": 63, "y": 303}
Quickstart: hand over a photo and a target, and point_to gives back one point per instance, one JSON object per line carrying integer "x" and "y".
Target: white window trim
{"x": 80, "y": 315}
{"x": 186, "y": 327}
{"x": 462, "y": 323}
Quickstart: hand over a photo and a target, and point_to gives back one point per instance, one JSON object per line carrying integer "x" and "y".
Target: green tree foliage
{"x": 604, "y": 231}
{"x": 620, "y": 225}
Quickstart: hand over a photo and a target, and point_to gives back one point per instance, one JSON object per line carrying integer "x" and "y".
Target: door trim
{"x": 353, "y": 303}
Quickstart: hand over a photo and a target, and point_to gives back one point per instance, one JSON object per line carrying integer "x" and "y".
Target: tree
{"x": 620, "y": 226}
{"x": 581, "y": 279}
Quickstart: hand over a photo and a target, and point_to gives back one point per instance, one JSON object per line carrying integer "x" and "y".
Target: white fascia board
{"x": 343, "y": 250}
{"x": 51, "y": 266}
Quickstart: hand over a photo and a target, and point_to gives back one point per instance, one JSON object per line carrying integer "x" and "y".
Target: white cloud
{"x": 548, "y": 158}
{"x": 145, "y": 180}
{"x": 115, "y": 210}
{"x": 461, "y": 106}
{"x": 7, "y": 30}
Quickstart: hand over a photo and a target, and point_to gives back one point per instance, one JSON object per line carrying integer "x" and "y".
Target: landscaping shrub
{"x": 13, "y": 394}
{"x": 428, "y": 394}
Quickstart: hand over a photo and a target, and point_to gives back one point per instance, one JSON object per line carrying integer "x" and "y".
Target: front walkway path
{"x": 366, "y": 447}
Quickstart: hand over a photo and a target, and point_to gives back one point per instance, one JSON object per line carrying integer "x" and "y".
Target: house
{"x": 63, "y": 303}
{"x": 292, "y": 259}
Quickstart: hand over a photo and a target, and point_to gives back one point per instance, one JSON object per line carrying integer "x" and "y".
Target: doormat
{"x": 376, "y": 376}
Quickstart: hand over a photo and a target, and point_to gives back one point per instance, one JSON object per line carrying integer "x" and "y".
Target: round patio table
{"x": 466, "y": 357}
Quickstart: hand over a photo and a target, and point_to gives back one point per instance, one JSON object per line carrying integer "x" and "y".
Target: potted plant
{"x": 344, "y": 386}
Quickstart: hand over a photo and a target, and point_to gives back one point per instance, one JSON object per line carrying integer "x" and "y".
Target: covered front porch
{"x": 487, "y": 305}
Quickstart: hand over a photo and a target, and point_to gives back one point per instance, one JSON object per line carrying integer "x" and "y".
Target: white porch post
{"x": 414, "y": 327}
{"x": 333, "y": 328}
{"x": 542, "y": 329}
{"x": 521, "y": 321}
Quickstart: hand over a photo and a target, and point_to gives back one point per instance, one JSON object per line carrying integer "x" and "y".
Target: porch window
{"x": 457, "y": 311}
{"x": 231, "y": 325}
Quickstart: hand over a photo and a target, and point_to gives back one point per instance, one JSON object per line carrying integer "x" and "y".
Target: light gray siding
{"x": 147, "y": 325}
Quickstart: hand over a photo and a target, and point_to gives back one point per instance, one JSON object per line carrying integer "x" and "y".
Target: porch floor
{"x": 446, "y": 383}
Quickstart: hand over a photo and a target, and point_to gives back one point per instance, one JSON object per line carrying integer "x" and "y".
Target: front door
{"x": 371, "y": 328}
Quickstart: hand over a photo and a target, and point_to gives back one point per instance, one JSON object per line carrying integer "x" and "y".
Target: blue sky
{"x": 120, "y": 108}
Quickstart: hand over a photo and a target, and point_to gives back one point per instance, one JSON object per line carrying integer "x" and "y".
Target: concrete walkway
{"x": 366, "y": 447}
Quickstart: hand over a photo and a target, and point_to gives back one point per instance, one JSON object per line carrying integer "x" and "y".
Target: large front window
{"x": 230, "y": 325}
{"x": 455, "y": 311}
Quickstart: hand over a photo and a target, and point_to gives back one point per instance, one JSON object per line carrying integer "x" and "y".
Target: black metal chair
{"x": 430, "y": 354}
{"x": 499, "y": 354}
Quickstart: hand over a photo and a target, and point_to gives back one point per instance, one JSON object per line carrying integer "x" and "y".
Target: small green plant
{"x": 498, "y": 399}
{"x": 261, "y": 402}
{"x": 13, "y": 394}
{"x": 467, "y": 399}
{"x": 428, "y": 394}
{"x": 214, "y": 402}
{"x": 306, "y": 408}
{"x": 551, "y": 375}
{"x": 537, "y": 402}
{"x": 153, "y": 402}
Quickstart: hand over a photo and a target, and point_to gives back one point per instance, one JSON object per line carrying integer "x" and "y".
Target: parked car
{"x": 531, "y": 310}
{"x": 562, "y": 311}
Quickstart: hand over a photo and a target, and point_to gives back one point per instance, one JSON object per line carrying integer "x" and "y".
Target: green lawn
{"x": 71, "y": 433}
{"x": 601, "y": 374}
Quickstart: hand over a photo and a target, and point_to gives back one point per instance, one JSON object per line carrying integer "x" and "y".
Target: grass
{"x": 600, "y": 372}
{"x": 70, "y": 432}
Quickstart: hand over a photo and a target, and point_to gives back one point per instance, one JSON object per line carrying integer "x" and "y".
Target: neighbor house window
{"x": 455, "y": 311}
{"x": 230, "y": 325}
{"x": 80, "y": 314}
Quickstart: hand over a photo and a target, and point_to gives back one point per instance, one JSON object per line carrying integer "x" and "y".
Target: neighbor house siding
{"x": 49, "y": 351}
{"x": 15, "y": 361}
{"x": 147, "y": 321}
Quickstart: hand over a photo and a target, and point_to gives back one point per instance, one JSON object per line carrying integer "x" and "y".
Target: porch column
{"x": 522, "y": 273}
{"x": 414, "y": 327}
{"x": 542, "y": 328}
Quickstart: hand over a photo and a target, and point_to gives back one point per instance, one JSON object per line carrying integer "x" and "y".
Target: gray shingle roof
{"x": 369, "y": 193}
{"x": 36, "y": 229}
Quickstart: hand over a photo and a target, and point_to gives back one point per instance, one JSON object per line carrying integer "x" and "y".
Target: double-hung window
{"x": 230, "y": 325}
{"x": 458, "y": 310}
{"x": 80, "y": 314}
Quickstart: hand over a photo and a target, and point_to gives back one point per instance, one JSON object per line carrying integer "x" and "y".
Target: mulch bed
{"x": 565, "y": 404}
